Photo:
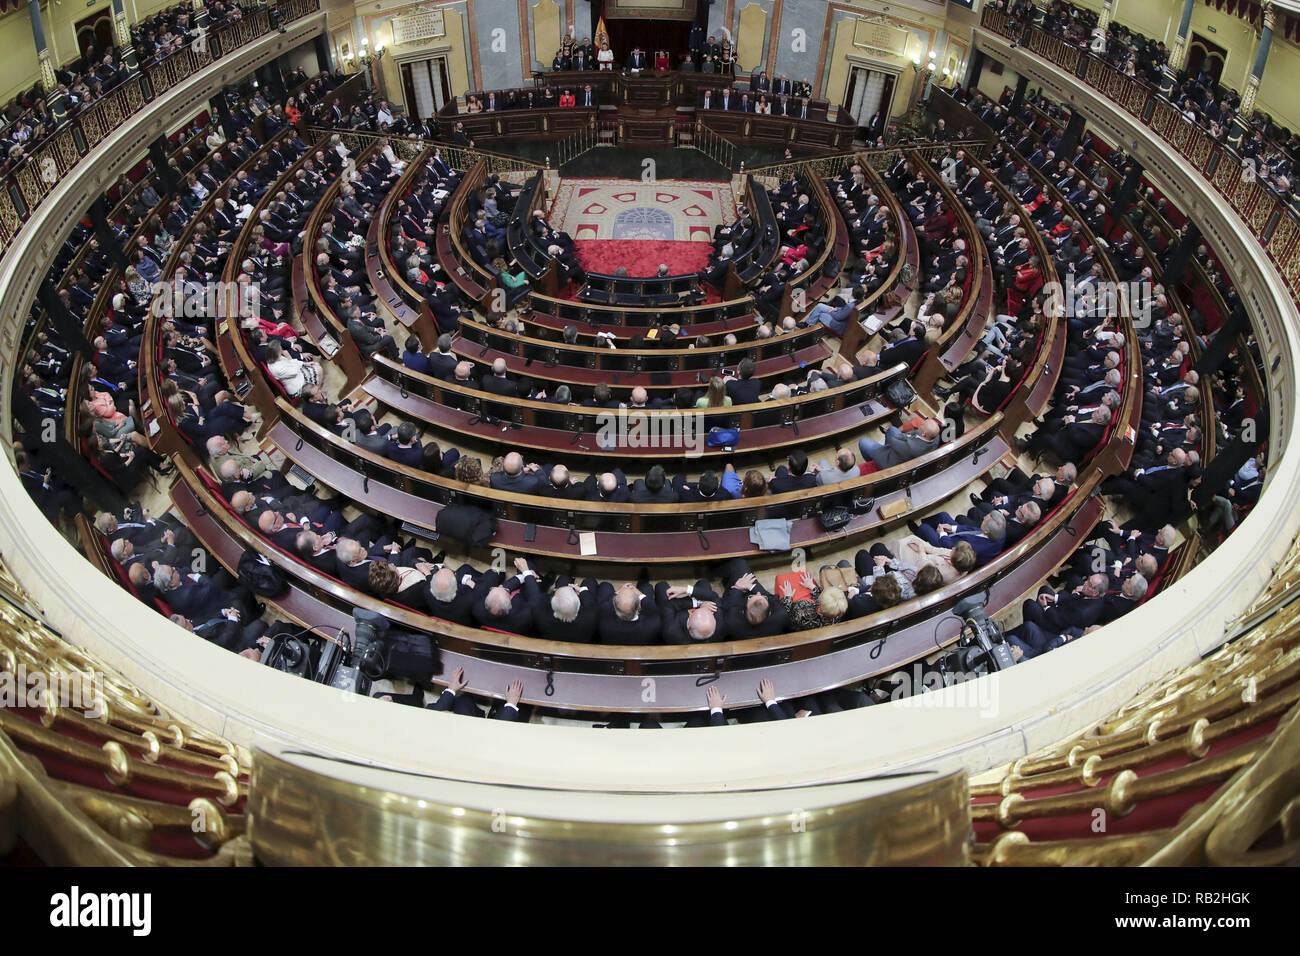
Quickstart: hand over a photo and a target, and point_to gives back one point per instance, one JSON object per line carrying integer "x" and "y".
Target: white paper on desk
{"x": 587, "y": 543}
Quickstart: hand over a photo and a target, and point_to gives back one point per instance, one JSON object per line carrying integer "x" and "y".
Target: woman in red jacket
{"x": 1029, "y": 279}
{"x": 568, "y": 99}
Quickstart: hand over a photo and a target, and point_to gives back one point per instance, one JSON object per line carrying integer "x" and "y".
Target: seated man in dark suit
{"x": 744, "y": 389}
{"x": 404, "y": 447}
{"x": 690, "y": 614}
{"x": 748, "y": 609}
{"x": 414, "y": 357}
{"x": 371, "y": 342}
{"x": 228, "y": 631}
{"x": 796, "y": 477}
{"x": 1075, "y": 440}
{"x": 1028, "y": 640}
{"x": 451, "y": 594}
{"x": 628, "y": 616}
{"x": 988, "y": 540}
{"x": 442, "y": 362}
{"x": 198, "y": 597}
{"x": 502, "y": 605}
{"x": 516, "y": 476}
{"x": 569, "y": 614}
{"x": 610, "y": 487}
{"x": 653, "y": 488}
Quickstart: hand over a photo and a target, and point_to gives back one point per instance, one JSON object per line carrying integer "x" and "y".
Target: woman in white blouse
{"x": 605, "y": 56}
{"x": 293, "y": 374}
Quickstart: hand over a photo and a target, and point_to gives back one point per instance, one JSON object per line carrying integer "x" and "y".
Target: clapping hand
{"x": 514, "y": 692}
{"x": 714, "y": 697}
{"x": 746, "y": 581}
{"x": 458, "y": 681}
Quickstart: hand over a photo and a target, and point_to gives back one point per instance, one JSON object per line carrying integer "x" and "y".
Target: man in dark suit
{"x": 1028, "y": 640}
{"x": 744, "y": 389}
{"x": 414, "y": 358}
{"x": 502, "y": 605}
{"x": 748, "y": 609}
{"x": 654, "y": 488}
{"x": 369, "y": 341}
{"x": 198, "y": 597}
{"x": 796, "y": 477}
{"x": 228, "y": 632}
{"x": 442, "y": 361}
{"x": 451, "y": 594}
{"x": 516, "y": 476}
{"x": 404, "y": 447}
{"x": 1118, "y": 603}
{"x": 610, "y": 487}
{"x": 690, "y": 614}
{"x": 497, "y": 383}
{"x": 988, "y": 540}
{"x": 1075, "y": 440}
{"x": 628, "y": 616}
{"x": 569, "y": 614}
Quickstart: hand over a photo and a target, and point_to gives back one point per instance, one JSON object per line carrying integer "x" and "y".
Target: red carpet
{"x": 641, "y": 257}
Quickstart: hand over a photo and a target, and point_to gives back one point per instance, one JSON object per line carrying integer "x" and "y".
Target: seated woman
{"x": 516, "y": 284}
{"x": 715, "y": 396}
{"x": 951, "y": 562}
{"x": 764, "y": 108}
{"x": 225, "y": 418}
{"x": 661, "y": 61}
{"x": 470, "y": 471}
{"x": 267, "y": 245}
{"x": 292, "y": 112}
{"x": 280, "y": 330}
{"x": 1029, "y": 280}
{"x": 109, "y": 422}
{"x": 292, "y": 374}
{"x": 791, "y": 255}
{"x": 403, "y": 585}
{"x": 568, "y": 99}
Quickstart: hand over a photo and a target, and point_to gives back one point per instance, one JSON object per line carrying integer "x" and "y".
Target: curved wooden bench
{"x": 962, "y": 334}
{"x": 589, "y": 677}
{"x": 386, "y": 278}
{"x": 628, "y": 532}
{"x": 623, "y": 369}
{"x": 807, "y": 418}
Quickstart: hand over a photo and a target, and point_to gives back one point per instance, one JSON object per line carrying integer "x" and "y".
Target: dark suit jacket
{"x": 460, "y": 609}
{"x": 613, "y": 630}
{"x": 520, "y": 618}
{"x": 732, "y": 609}
{"x": 674, "y": 613}
{"x": 744, "y": 391}
{"x": 581, "y": 630}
